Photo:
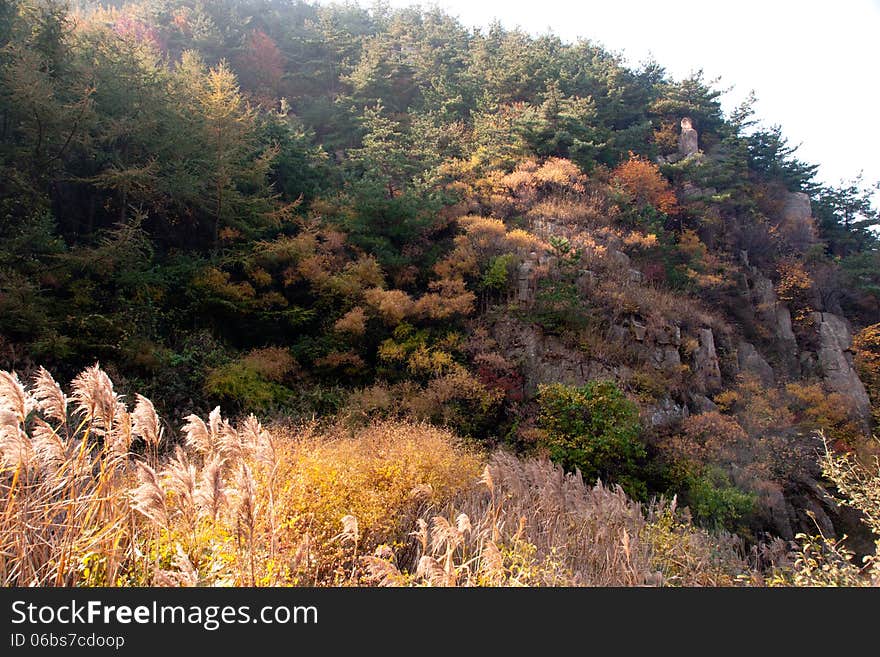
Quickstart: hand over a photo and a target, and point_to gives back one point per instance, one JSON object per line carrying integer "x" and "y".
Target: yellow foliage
{"x": 637, "y": 240}
{"x": 218, "y": 282}
{"x": 795, "y": 288}
{"x": 382, "y": 475}
{"x": 450, "y": 297}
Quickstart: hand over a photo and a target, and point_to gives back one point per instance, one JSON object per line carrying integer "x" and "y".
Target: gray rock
{"x": 618, "y": 332}
{"x": 701, "y": 404}
{"x": 835, "y": 362}
{"x": 706, "y": 362}
{"x": 763, "y": 293}
{"x": 666, "y": 358}
{"x": 796, "y": 207}
{"x": 618, "y": 258}
{"x": 669, "y": 334}
{"x": 524, "y": 280}
{"x": 688, "y": 139}
{"x": 667, "y": 412}
{"x": 779, "y": 512}
{"x": 586, "y": 281}
{"x": 783, "y": 324}
{"x": 751, "y": 362}
{"x": 809, "y": 364}
{"x": 690, "y": 191}
{"x": 798, "y": 225}
{"x": 635, "y": 276}
{"x": 544, "y": 358}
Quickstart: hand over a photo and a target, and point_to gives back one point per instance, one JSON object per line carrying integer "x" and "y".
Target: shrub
{"x": 559, "y": 305}
{"x": 712, "y": 498}
{"x": 821, "y": 560}
{"x": 253, "y": 382}
{"x": 644, "y": 185}
{"x": 717, "y": 468}
{"x": 594, "y": 429}
{"x": 866, "y": 346}
{"x": 814, "y": 408}
{"x": 796, "y": 288}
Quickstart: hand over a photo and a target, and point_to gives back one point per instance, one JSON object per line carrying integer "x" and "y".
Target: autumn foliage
{"x": 643, "y": 184}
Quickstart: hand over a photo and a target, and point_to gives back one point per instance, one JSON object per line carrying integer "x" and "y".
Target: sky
{"x": 814, "y": 64}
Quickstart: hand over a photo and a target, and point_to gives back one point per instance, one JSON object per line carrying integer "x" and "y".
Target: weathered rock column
{"x": 688, "y": 140}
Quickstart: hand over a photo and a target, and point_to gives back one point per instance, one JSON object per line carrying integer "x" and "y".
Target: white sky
{"x": 812, "y": 63}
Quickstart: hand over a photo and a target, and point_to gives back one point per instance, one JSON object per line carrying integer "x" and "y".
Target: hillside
{"x": 418, "y": 253}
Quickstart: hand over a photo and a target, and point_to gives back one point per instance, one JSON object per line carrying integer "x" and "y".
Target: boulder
{"x": 701, "y": 404}
{"x": 779, "y": 512}
{"x": 586, "y": 281}
{"x": 635, "y": 276}
{"x": 618, "y": 258}
{"x": 751, "y": 362}
{"x": 618, "y": 333}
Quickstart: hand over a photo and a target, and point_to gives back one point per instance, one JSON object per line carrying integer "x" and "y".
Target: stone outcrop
{"x": 764, "y": 310}
{"x": 751, "y": 362}
{"x": 666, "y": 358}
{"x": 701, "y": 403}
{"x": 666, "y": 412}
{"x": 796, "y": 221}
{"x": 525, "y": 282}
{"x": 688, "y": 139}
{"x": 835, "y": 362}
{"x": 706, "y": 363}
{"x": 544, "y": 358}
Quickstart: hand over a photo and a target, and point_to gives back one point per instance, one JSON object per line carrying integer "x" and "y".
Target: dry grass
{"x": 237, "y": 505}
{"x": 532, "y": 524}
{"x": 89, "y": 502}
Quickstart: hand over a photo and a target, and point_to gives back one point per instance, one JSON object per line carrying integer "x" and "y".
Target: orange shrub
{"x": 643, "y": 183}
{"x": 866, "y": 345}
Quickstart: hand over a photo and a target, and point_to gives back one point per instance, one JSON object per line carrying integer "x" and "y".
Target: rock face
{"x": 835, "y": 362}
{"x": 784, "y": 331}
{"x": 706, "y": 362}
{"x": 687, "y": 140}
{"x": 544, "y": 358}
{"x": 666, "y": 358}
{"x": 751, "y": 362}
{"x": 525, "y": 282}
{"x": 667, "y": 412}
{"x": 797, "y": 221}
{"x": 773, "y": 317}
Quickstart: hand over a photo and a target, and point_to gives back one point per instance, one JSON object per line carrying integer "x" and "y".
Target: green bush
{"x": 254, "y": 382}
{"x": 713, "y": 500}
{"x": 595, "y": 429}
